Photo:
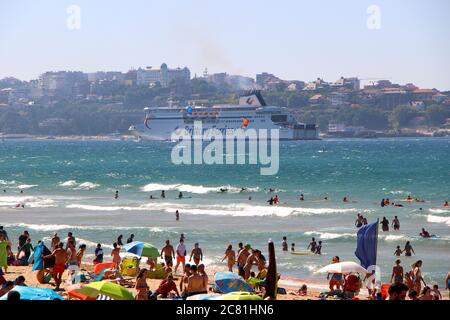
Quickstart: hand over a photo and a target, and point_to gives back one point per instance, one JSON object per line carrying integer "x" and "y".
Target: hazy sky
{"x": 293, "y": 39}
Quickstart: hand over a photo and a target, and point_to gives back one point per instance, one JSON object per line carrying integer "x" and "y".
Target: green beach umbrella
{"x": 142, "y": 249}
{"x": 106, "y": 288}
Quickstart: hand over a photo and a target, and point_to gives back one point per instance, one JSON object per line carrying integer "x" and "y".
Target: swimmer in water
{"x": 424, "y": 233}
{"x": 271, "y": 190}
{"x": 445, "y": 204}
{"x": 116, "y": 196}
{"x": 250, "y": 198}
{"x": 180, "y": 195}
{"x": 177, "y": 215}
{"x": 293, "y": 247}
{"x": 151, "y": 196}
{"x": 326, "y": 198}
{"x": 270, "y": 201}
{"x": 345, "y": 199}
{"x": 319, "y": 248}
{"x": 243, "y": 189}
{"x": 163, "y": 194}
{"x": 223, "y": 190}
{"x": 302, "y": 198}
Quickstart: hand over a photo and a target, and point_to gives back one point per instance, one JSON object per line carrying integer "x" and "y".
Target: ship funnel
{"x": 252, "y": 98}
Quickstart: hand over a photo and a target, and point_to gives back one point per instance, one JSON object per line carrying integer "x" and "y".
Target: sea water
{"x": 70, "y": 186}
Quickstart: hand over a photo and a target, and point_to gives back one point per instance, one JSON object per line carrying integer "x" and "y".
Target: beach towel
{"x": 3, "y": 254}
{"x": 37, "y": 257}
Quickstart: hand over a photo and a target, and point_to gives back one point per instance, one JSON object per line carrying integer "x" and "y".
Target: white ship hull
{"x": 161, "y": 123}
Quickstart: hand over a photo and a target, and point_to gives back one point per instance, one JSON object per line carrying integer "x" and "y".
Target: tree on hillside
{"x": 437, "y": 114}
{"x": 401, "y": 116}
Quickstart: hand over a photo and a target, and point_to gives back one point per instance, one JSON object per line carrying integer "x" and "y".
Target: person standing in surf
{"x": 312, "y": 245}
{"x": 284, "y": 244}
{"x": 119, "y": 240}
{"x": 396, "y": 223}
{"x": 177, "y": 215}
{"x": 408, "y": 249}
{"x": 197, "y": 253}
{"x": 384, "y": 224}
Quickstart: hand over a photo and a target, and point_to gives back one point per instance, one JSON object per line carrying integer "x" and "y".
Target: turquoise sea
{"x": 70, "y": 185}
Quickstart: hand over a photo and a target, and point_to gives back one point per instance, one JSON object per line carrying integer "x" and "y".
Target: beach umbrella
{"x": 34, "y": 293}
{"x": 343, "y": 267}
{"x": 238, "y": 296}
{"x": 142, "y": 249}
{"x": 106, "y": 288}
{"x": 203, "y": 296}
{"x": 229, "y": 282}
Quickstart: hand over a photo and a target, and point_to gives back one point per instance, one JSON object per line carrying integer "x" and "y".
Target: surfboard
{"x": 302, "y": 253}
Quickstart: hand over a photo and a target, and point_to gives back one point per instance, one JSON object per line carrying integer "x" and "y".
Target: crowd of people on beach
{"x": 193, "y": 278}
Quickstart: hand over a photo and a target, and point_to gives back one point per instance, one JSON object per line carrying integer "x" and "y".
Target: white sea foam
{"x": 87, "y": 185}
{"x": 7, "y": 183}
{"x": 238, "y": 210}
{"x": 68, "y": 183}
{"x": 435, "y": 210}
{"x": 56, "y": 227}
{"x": 393, "y": 237}
{"x": 26, "y": 186}
{"x": 41, "y": 227}
{"x": 438, "y": 219}
{"x": 330, "y": 235}
{"x": 29, "y": 201}
{"x": 103, "y": 208}
{"x": 399, "y": 192}
{"x": 91, "y": 244}
{"x": 193, "y": 189}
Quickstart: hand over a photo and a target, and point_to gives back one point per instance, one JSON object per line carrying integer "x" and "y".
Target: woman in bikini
{"x": 141, "y": 285}
{"x": 115, "y": 254}
{"x": 417, "y": 276}
{"x": 397, "y": 273}
{"x": 231, "y": 257}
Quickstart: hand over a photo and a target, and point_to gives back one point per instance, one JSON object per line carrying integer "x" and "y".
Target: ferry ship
{"x": 251, "y": 112}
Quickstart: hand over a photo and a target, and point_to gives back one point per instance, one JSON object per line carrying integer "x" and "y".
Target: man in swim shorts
{"x": 60, "y": 263}
{"x": 242, "y": 259}
{"x": 167, "y": 253}
{"x": 181, "y": 255}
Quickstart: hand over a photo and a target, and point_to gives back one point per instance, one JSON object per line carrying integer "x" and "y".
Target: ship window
{"x": 279, "y": 118}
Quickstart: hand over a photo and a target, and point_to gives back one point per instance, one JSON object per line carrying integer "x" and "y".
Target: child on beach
{"x": 98, "y": 254}
{"x": 436, "y": 293}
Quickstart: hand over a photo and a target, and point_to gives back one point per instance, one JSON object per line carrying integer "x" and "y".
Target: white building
{"x": 163, "y": 75}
